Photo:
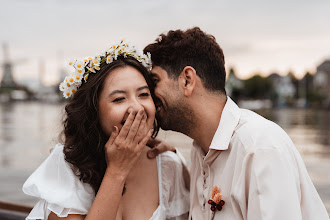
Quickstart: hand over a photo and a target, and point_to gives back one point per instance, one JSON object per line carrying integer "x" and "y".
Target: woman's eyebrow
{"x": 142, "y": 88}
{"x": 123, "y": 92}
{"x": 115, "y": 92}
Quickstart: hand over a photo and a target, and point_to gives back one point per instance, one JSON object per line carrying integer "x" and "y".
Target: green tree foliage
{"x": 258, "y": 87}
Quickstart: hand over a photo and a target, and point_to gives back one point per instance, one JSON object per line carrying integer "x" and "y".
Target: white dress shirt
{"x": 258, "y": 170}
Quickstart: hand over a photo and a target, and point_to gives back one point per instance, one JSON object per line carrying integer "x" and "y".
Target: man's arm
{"x": 270, "y": 187}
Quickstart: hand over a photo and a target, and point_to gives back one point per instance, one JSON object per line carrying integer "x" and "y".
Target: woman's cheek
{"x": 150, "y": 120}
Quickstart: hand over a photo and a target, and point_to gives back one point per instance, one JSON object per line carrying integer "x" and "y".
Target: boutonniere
{"x": 216, "y": 202}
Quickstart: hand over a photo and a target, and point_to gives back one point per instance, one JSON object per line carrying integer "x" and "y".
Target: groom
{"x": 252, "y": 161}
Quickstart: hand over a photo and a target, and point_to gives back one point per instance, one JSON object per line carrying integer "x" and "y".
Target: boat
{"x": 12, "y": 211}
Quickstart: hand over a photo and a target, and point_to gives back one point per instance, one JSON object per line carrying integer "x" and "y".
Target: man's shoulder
{"x": 254, "y": 131}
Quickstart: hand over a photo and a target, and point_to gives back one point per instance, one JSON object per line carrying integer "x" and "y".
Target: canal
{"x": 28, "y": 131}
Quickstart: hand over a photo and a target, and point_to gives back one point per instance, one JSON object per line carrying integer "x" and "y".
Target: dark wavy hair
{"x": 84, "y": 139}
{"x": 193, "y": 47}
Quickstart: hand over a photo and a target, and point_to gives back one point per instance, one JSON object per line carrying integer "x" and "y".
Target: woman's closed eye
{"x": 119, "y": 99}
{"x": 145, "y": 94}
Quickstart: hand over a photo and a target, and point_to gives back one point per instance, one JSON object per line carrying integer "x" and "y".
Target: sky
{"x": 257, "y": 36}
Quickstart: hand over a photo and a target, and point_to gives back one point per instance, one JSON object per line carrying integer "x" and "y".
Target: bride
{"x": 101, "y": 170}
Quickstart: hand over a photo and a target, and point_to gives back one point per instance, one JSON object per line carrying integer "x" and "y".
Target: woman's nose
{"x": 136, "y": 105}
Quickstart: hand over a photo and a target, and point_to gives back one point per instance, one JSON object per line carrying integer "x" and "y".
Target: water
{"x": 29, "y": 130}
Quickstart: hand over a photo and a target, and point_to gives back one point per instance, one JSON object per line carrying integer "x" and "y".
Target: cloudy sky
{"x": 257, "y": 36}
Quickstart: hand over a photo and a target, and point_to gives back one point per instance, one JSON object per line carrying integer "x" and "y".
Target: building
{"x": 283, "y": 88}
{"x": 322, "y": 80}
{"x": 233, "y": 85}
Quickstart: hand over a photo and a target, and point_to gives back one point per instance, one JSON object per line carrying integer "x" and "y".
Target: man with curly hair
{"x": 250, "y": 163}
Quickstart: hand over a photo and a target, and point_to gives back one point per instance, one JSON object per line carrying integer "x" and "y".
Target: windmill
{"x": 7, "y": 79}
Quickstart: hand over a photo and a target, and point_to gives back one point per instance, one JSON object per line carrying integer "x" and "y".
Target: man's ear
{"x": 187, "y": 80}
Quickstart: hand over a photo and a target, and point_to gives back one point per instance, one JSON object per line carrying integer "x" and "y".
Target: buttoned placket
{"x": 206, "y": 182}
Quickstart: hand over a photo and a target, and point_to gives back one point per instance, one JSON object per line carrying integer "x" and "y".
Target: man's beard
{"x": 178, "y": 117}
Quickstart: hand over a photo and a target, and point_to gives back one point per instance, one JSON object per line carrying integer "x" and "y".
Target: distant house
{"x": 233, "y": 85}
{"x": 322, "y": 78}
{"x": 284, "y": 88}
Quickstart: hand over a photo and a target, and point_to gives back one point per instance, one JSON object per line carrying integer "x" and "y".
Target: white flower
{"x": 67, "y": 85}
{"x": 80, "y": 72}
{"x": 70, "y": 79}
{"x": 74, "y": 89}
{"x": 115, "y": 56}
{"x": 67, "y": 93}
{"x": 86, "y": 77}
{"x": 71, "y": 62}
{"x": 96, "y": 61}
{"x": 89, "y": 64}
{"x": 111, "y": 49}
{"x": 78, "y": 83}
{"x": 143, "y": 62}
{"x": 63, "y": 86}
{"x": 109, "y": 59}
{"x": 77, "y": 77}
{"x": 79, "y": 65}
{"x": 91, "y": 69}
{"x": 131, "y": 50}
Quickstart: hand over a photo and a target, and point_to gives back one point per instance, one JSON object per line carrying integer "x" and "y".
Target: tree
{"x": 258, "y": 87}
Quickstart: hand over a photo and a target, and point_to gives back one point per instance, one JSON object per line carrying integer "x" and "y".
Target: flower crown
{"x": 92, "y": 64}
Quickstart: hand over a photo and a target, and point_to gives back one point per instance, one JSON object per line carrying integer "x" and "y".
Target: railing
{"x": 12, "y": 211}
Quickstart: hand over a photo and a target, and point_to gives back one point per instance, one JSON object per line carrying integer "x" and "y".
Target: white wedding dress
{"x": 61, "y": 192}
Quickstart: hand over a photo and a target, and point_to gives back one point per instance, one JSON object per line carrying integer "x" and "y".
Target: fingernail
{"x": 151, "y": 130}
{"x": 151, "y": 154}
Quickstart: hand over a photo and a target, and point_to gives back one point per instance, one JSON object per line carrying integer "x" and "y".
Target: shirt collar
{"x": 229, "y": 119}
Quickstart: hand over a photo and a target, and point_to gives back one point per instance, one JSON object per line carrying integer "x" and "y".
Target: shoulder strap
{"x": 160, "y": 188}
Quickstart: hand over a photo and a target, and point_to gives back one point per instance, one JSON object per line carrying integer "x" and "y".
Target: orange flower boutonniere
{"x": 216, "y": 202}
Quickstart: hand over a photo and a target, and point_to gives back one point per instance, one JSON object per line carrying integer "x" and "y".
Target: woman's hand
{"x": 124, "y": 148}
